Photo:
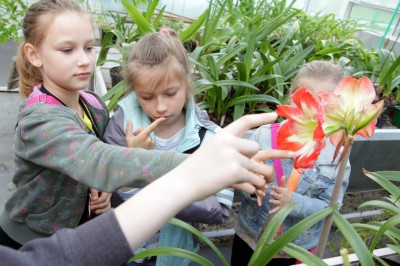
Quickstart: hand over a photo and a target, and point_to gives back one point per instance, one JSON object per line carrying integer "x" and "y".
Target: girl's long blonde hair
{"x": 37, "y": 18}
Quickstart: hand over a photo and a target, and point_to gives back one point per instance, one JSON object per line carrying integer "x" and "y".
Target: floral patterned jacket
{"x": 56, "y": 161}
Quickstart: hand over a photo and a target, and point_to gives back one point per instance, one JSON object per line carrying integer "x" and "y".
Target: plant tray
{"x": 396, "y": 116}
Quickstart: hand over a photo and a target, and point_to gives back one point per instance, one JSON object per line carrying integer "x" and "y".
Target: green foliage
{"x": 11, "y": 15}
{"x": 356, "y": 235}
{"x": 248, "y": 51}
{"x": 388, "y": 227}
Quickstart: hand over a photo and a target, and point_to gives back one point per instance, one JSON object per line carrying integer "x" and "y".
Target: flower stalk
{"x": 335, "y": 194}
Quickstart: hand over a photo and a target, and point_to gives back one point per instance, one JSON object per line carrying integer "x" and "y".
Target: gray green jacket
{"x": 56, "y": 161}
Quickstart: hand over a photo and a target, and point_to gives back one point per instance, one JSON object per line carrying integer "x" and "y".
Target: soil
{"x": 351, "y": 202}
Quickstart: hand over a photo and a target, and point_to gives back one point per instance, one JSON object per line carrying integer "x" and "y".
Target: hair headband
{"x": 166, "y": 32}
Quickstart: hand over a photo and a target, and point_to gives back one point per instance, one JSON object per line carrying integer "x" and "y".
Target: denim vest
{"x": 313, "y": 193}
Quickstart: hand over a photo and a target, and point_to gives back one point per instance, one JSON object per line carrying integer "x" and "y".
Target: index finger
{"x": 150, "y": 128}
{"x": 264, "y": 155}
{"x": 240, "y": 126}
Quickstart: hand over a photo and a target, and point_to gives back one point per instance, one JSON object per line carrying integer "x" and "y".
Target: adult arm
{"x": 209, "y": 210}
{"x": 226, "y": 160}
{"x": 223, "y": 160}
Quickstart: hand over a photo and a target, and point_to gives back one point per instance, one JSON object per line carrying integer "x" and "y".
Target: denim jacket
{"x": 214, "y": 209}
{"x": 313, "y": 194}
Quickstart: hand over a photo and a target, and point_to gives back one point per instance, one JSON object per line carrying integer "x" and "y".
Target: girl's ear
{"x": 33, "y": 55}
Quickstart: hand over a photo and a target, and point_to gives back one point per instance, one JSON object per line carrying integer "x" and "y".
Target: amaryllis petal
{"x": 358, "y": 92}
{"x": 302, "y": 132}
{"x": 349, "y": 108}
{"x": 368, "y": 131}
{"x": 368, "y": 116}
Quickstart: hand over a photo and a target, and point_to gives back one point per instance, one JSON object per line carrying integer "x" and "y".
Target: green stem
{"x": 335, "y": 194}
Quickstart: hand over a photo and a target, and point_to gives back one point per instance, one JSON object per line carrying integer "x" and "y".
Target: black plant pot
{"x": 384, "y": 117}
{"x": 116, "y": 75}
{"x": 382, "y": 121}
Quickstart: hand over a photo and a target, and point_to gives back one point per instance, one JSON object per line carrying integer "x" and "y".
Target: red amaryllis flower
{"x": 302, "y": 131}
{"x": 349, "y": 109}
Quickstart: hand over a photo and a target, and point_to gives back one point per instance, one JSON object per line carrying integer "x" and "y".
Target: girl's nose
{"x": 161, "y": 106}
{"x": 84, "y": 58}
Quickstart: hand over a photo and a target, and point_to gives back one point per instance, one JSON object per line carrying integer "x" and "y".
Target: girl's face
{"x": 161, "y": 95}
{"x": 66, "y": 57}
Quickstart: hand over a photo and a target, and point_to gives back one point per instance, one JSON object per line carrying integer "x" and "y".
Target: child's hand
{"x": 141, "y": 137}
{"x": 260, "y": 193}
{"x": 282, "y": 195}
{"x": 99, "y": 201}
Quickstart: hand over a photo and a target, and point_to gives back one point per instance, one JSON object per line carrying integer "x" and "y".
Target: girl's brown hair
{"x": 318, "y": 70}
{"x": 35, "y": 23}
{"x": 159, "y": 51}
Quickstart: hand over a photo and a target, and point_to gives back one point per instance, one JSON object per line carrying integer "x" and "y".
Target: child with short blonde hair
{"x": 162, "y": 114}
{"x": 311, "y": 191}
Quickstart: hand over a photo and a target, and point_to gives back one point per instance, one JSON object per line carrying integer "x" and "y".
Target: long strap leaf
{"x": 169, "y": 251}
{"x": 383, "y": 182}
{"x": 201, "y": 236}
{"x": 392, "y": 222}
{"x": 354, "y": 239}
{"x": 137, "y": 17}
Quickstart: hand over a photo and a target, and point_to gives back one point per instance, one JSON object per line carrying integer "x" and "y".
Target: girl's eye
{"x": 90, "y": 48}
{"x": 170, "y": 94}
{"x": 66, "y": 50}
{"x": 146, "y": 98}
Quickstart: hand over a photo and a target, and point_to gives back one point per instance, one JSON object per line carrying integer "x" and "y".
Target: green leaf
{"x": 194, "y": 27}
{"x": 201, "y": 236}
{"x": 152, "y": 5}
{"x": 385, "y": 75}
{"x": 392, "y": 222}
{"x": 231, "y": 53}
{"x": 105, "y": 46}
{"x": 303, "y": 255}
{"x": 251, "y": 98}
{"x": 391, "y": 234}
{"x": 258, "y": 257}
{"x": 390, "y": 175}
{"x": 386, "y": 184}
{"x": 159, "y": 16}
{"x": 115, "y": 94}
{"x": 137, "y": 17}
{"x": 271, "y": 248}
{"x": 238, "y": 83}
{"x": 297, "y": 59}
{"x": 380, "y": 205}
{"x": 248, "y": 59}
{"x": 354, "y": 239}
{"x": 170, "y": 251}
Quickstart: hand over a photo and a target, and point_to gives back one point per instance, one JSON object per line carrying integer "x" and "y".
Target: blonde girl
{"x": 58, "y": 152}
{"x": 161, "y": 113}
